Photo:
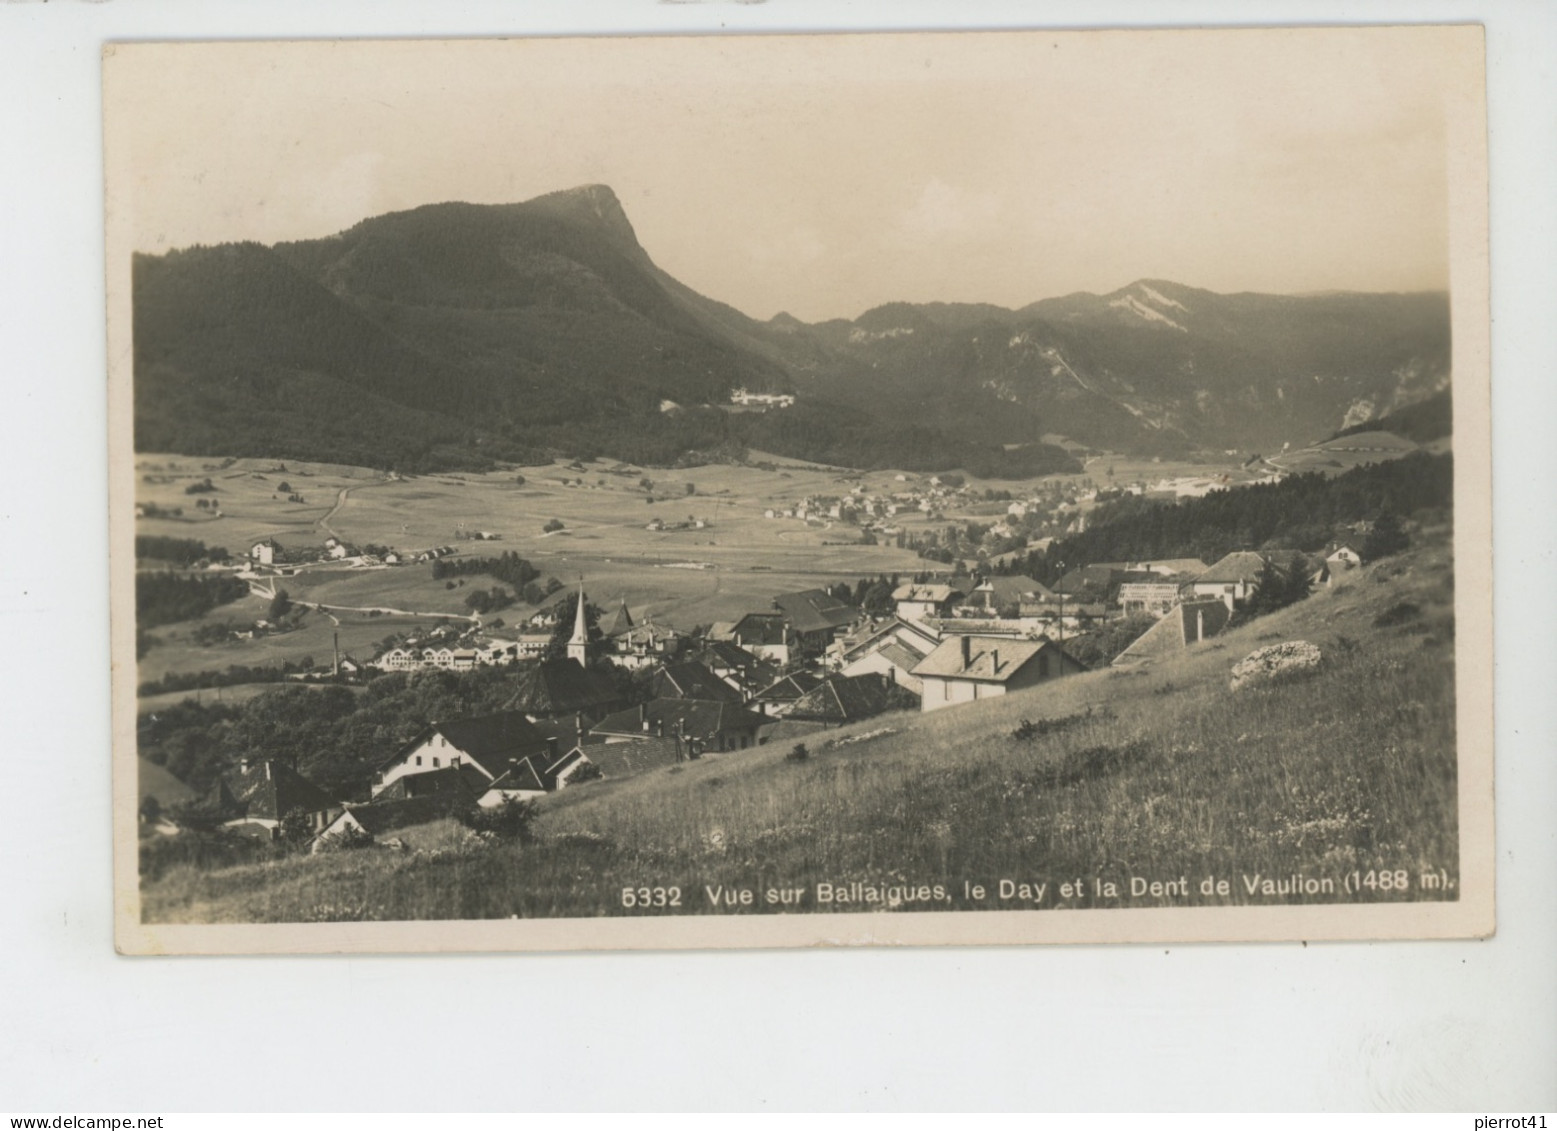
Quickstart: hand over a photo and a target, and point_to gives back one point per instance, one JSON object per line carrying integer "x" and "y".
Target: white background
{"x": 1425, "y": 1025}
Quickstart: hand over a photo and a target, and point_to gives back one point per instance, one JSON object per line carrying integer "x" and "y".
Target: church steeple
{"x": 578, "y": 647}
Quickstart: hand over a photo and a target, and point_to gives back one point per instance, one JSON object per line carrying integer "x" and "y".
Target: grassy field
{"x": 1153, "y": 776}
{"x": 605, "y": 541}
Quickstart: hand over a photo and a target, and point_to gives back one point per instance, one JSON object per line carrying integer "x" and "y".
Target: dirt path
{"x": 323, "y": 522}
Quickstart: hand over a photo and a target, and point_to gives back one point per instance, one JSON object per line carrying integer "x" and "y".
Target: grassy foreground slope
{"x": 1152, "y": 775}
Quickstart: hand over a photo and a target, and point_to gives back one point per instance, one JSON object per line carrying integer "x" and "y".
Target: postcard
{"x": 749, "y": 491}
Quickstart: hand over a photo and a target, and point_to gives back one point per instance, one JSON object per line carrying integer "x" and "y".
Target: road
{"x": 323, "y": 523}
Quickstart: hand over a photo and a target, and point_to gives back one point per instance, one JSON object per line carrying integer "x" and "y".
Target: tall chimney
{"x": 994, "y": 659}
{"x": 967, "y": 652}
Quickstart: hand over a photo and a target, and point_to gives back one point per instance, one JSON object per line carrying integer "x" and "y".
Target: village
{"x": 598, "y": 692}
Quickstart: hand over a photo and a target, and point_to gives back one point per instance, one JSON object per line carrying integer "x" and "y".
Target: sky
{"x": 825, "y": 175}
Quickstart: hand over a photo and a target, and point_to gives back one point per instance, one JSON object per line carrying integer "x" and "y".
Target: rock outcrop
{"x": 1278, "y": 663}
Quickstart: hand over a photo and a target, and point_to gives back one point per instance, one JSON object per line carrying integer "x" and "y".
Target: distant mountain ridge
{"x": 456, "y": 334}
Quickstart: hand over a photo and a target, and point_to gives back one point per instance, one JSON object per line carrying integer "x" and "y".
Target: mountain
{"x": 1422, "y": 421}
{"x": 456, "y": 335}
{"x": 1155, "y": 367}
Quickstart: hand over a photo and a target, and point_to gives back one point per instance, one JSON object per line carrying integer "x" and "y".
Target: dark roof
{"x": 1246, "y": 565}
{"x": 620, "y": 621}
{"x": 788, "y": 689}
{"x": 695, "y": 718}
{"x": 379, "y": 817}
{"x": 560, "y": 687}
{"x": 815, "y": 610}
{"x": 521, "y": 775}
{"x": 463, "y": 782}
{"x": 991, "y": 659}
{"x": 622, "y": 759}
{"x": 1102, "y": 575}
{"x": 503, "y": 735}
{"x": 761, "y": 628}
{"x": 726, "y": 654}
{"x": 565, "y": 730}
{"x": 490, "y": 740}
{"x": 842, "y": 699}
{"x": 269, "y": 790}
{"x": 1240, "y": 565}
{"x": 1181, "y": 627}
{"x": 691, "y": 680}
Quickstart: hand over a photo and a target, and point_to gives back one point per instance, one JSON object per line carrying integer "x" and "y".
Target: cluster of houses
{"x": 269, "y": 552}
{"x": 810, "y": 662}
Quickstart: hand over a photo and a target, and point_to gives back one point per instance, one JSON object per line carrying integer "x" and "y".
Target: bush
{"x": 1398, "y": 613}
{"x": 587, "y": 772}
{"x": 553, "y": 526}
{"x": 798, "y": 753}
{"x": 509, "y": 820}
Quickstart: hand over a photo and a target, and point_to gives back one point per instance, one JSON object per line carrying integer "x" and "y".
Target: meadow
{"x": 604, "y": 541}
{"x": 1111, "y": 777}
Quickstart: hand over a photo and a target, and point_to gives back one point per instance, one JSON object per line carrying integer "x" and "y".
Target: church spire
{"x": 578, "y": 647}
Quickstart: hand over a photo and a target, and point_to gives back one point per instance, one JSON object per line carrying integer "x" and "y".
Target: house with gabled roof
{"x": 999, "y": 592}
{"x": 893, "y": 660}
{"x": 1235, "y": 578}
{"x": 1344, "y": 554}
{"x": 1232, "y": 579}
{"x": 1185, "y": 625}
{"x": 262, "y": 793}
{"x": 732, "y": 663}
{"x": 624, "y": 759}
{"x": 691, "y": 680}
{"x": 644, "y": 645}
{"x": 764, "y": 634}
{"x": 462, "y": 783}
{"x": 966, "y": 668}
{"x": 373, "y": 819}
{"x": 814, "y": 618}
{"x": 841, "y": 699}
{"x": 917, "y": 601}
{"x": 778, "y": 697}
{"x": 490, "y": 744}
{"x": 710, "y": 725}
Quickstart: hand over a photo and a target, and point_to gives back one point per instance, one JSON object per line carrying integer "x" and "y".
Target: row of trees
{"x": 507, "y": 566}
{"x": 1302, "y": 512}
{"x": 177, "y": 551}
{"x": 168, "y": 597}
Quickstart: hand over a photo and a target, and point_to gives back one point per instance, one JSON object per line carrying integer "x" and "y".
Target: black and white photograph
{"x": 612, "y": 493}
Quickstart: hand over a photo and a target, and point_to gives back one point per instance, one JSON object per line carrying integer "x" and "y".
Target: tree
{"x": 280, "y": 605}
{"x": 296, "y": 830}
{"x": 151, "y": 809}
{"x": 1269, "y": 591}
{"x": 1385, "y": 538}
